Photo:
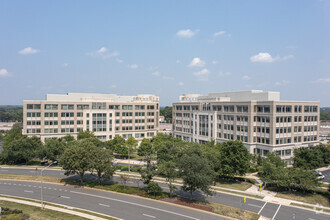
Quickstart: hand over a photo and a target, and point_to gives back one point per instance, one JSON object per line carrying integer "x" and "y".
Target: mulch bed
{"x": 188, "y": 202}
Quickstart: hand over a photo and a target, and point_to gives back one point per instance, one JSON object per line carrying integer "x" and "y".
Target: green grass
{"x": 36, "y": 213}
{"x": 230, "y": 184}
{"x": 310, "y": 207}
{"x": 59, "y": 206}
{"x": 306, "y": 198}
{"x": 234, "y": 212}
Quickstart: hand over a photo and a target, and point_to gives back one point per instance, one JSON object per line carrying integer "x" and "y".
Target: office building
{"x": 260, "y": 119}
{"x": 107, "y": 115}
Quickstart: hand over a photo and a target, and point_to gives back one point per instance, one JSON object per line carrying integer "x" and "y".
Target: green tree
{"x": 53, "y": 149}
{"x": 304, "y": 179}
{"x": 167, "y": 113}
{"x": 234, "y": 158}
{"x": 78, "y": 158}
{"x": 102, "y": 163}
{"x": 85, "y": 134}
{"x": 196, "y": 173}
{"x": 154, "y": 188}
{"x": 118, "y": 146}
{"x": 21, "y": 150}
{"x": 145, "y": 148}
{"x": 170, "y": 171}
{"x": 131, "y": 143}
{"x": 13, "y": 134}
{"x": 67, "y": 139}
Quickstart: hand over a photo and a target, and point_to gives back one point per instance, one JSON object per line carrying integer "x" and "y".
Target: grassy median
{"x": 34, "y": 213}
{"x": 311, "y": 198}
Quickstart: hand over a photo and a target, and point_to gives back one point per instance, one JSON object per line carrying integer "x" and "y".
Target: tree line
{"x": 198, "y": 165}
{"x": 11, "y": 113}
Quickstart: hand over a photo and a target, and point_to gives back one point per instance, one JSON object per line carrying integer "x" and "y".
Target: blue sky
{"x": 166, "y": 48}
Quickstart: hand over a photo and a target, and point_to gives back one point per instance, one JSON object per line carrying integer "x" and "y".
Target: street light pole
{"x": 41, "y": 195}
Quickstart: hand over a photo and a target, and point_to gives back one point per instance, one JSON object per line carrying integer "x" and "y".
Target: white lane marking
{"x": 34, "y": 186}
{"x": 262, "y": 208}
{"x": 27, "y": 191}
{"x": 132, "y": 203}
{"x": 65, "y": 197}
{"x": 104, "y": 205}
{"x": 32, "y": 171}
{"x": 255, "y": 205}
{"x": 54, "y": 189}
{"x": 5, "y": 183}
{"x": 149, "y": 215}
{"x": 311, "y": 219}
{"x": 276, "y": 212}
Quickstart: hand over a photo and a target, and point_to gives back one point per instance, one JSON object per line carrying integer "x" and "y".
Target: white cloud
{"x": 323, "y": 80}
{"x": 281, "y": 83}
{"x": 156, "y": 73}
{"x": 102, "y": 50}
{"x": 180, "y": 84}
{"x": 202, "y": 75}
{"x": 168, "y": 78}
{"x": 133, "y": 66}
{"x": 246, "y": 77}
{"x": 186, "y": 33}
{"x": 219, "y": 33}
{"x": 103, "y": 53}
{"x": 28, "y": 50}
{"x": 113, "y": 86}
{"x": 4, "y": 72}
{"x": 119, "y": 61}
{"x": 221, "y": 74}
{"x": 262, "y": 58}
{"x": 197, "y": 62}
{"x": 214, "y": 62}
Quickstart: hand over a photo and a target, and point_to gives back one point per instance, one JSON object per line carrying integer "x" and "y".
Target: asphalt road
{"x": 267, "y": 209}
{"x": 326, "y": 174}
{"x": 117, "y": 205}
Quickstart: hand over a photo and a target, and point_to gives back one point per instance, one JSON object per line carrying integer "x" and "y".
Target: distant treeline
{"x": 11, "y": 113}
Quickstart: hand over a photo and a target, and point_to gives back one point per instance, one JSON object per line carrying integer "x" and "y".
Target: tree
{"x": 145, "y": 148}
{"x": 118, "y": 146}
{"x": 124, "y": 178}
{"x": 21, "y": 150}
{"x": 196, "y": 173}
{"x": 85, "y": 134}
{"x": 67, "y": 139}
{"x": 234, "y": 158}
{"x": 102, "y": 163}
{"x": 78, "y": 158}
{"x": 53, "y": 149}
{"x": 167, "y": 113}
{"x": 304, "y": 179}
{"x": 170, "y": 170}
{"x": 154, "y": 188}
{"x": 13, "y": 134}
{"x": 131, "y": 143}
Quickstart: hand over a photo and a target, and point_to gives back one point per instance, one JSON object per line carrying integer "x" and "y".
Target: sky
{"x": 166, "y": 48}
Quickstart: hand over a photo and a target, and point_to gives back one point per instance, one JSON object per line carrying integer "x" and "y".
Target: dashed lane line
{"x": 255, "y": 205}
{"x": 104, "y": 205}
{"x": 150, "y": 216}
{"x": 66, "y": 197}
{"x": 28, "y": 191}
{"x": 136, "y": 204}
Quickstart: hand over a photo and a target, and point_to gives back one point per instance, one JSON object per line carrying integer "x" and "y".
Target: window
{"x": 139, "y": 107}
{"x": 98, "y": 105}
{"x": 29, "y": 106}
{"x": 151, "y": 107}
{"x": 116, "y": 107}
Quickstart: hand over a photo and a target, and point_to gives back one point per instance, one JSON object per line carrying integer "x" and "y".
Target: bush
{"x": 154, "y": 188}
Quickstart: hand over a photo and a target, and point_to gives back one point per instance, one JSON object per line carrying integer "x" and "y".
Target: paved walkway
{"x": 54, "y": 208}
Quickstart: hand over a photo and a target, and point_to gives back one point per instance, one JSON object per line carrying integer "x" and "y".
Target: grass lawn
{"x": 36, "y": 213}
{"x": 233, "y": 212}
{"x": 234, "y": 184}
{"x": 306, "y": 197}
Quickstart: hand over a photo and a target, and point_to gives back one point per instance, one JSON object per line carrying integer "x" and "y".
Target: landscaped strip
{"x": 310, "y": 207}
{"x": 54, "y": 205}
{"x": 306, "y": 198}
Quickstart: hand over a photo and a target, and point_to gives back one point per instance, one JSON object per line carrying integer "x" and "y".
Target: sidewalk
{"x": 54, "y": 208}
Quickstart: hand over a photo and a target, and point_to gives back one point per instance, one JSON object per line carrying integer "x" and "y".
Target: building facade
{"x": 107, "y": 115}
{"x": 259, "y": 119}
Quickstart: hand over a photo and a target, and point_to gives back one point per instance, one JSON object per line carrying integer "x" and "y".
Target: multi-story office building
{"x": 107, "y": 115}
{"x": 259, "y": 119}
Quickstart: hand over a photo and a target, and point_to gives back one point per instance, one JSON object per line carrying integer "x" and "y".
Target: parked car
{"x": 319, "y": 174}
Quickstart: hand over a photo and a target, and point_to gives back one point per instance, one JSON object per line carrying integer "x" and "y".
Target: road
{"x": 267, "y": 209}
{"x": 326, "y": 174}
{"x": 117, "y": 205}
